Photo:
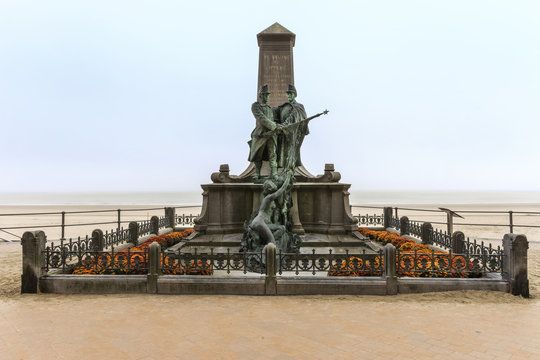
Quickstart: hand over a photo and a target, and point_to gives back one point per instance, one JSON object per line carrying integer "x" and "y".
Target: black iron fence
{"x": 110, "y": 238}
{"x": 118, "y": 215}
{"x": 85, "y": 243}
{"x": 115, "y": 237}
{"x": 510, "y": 224}
{"x": 444, "y": 238}
{"x": 441, "y": 238}
{"x": 347, "y": 264}
{"x": 434, "y": 264}
{"x": 95, "y": 262}
{"x": 370, "y": 219}
{"x": 186, "y": 220}
{"x": 415, "y": 264}
{"x": 144, "y": 227}
{"x": 178, "y": 263}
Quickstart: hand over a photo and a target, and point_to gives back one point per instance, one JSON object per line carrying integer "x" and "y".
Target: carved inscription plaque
{"x": 277, "y": 73}
{"x": 276, "y": 61}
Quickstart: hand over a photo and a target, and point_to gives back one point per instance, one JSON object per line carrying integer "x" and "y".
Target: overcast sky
{"x": 155, "y": 95}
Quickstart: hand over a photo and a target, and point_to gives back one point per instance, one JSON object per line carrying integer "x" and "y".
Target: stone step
{"x": 324, "y": 240}
{"x": 355, "y": 240}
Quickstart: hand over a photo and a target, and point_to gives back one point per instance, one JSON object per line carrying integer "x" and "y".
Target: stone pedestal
{"x": 33, "y": 245}
{"x": 319, "y": 208}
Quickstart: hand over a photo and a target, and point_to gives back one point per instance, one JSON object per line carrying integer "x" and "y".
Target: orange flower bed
{"x": 434, "y": 265}
{"x": 106, "y": 263}
{"x": 163, "y": 240}
{"x": 402, "y": 244}
{"x": 369, "y": 267}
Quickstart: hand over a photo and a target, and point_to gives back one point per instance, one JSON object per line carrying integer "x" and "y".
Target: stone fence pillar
{"x": 458, "y": 242}
{"x": 404, "y": 225}
{"x": 426, "y": 230}
{"x": 98, "y": 241}
{"x": 170, "y": 213}
{"x": 133, "y": 232}
{"x": 154, "y": 267}
{"x": 390, "y": 269}
{"x": 270, "y": 283}
{"x": 515, "y": 263}
{"x": 154, "y": 225}
{"x": 33, "y": 244}
{"x": 387, "y": 217}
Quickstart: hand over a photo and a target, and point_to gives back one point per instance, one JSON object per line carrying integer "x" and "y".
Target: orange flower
{"x": 105, "y": 263}
{"x": 427, "y": 265}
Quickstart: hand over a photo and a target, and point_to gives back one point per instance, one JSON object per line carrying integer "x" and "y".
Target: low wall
{"x": 331, "y": 286}
{"x": 93, "y": 284}
{"x": 194, "y": 284}
{"x": 239, "y": 281}
{"x": 245, "y": 285}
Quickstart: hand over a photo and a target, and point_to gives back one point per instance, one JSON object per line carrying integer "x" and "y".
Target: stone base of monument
{"x": 320, "y": 203}
{"x": 321, "y": 243}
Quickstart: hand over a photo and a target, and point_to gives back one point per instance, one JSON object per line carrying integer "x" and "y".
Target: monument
{"x": 276, "y": 199}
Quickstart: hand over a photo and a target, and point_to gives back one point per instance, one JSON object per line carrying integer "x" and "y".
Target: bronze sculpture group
{"x": 273, "y": 137}
{"x": 277, "y": 138}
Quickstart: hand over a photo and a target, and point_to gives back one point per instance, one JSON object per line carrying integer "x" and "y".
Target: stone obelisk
{"x": 276, "y": 61}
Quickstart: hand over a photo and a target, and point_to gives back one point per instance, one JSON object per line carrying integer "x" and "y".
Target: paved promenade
{"x": 461, "y": 325}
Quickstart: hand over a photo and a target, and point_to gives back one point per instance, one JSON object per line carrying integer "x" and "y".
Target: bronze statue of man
{"x": 290, "y": 142}
{"x": 263, "y": 141}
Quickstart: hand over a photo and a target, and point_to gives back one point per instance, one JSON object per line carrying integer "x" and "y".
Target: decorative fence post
{"x": 170, "y": 214}
{"x": 458, "y": 242}
{"x": 515, "y": 263}
{"x": 427, "y": 229}
{"x": 404, "y": 225}
{"x": 33, "y": 245}
{"x": 133, "y": 232}
{"x": 154, "y": 225}
{"x": 154, "y": 267}
{"x": 270, "y": 283}
{"x": 387, "y": 211}
{"x": 98, "y": 241}
{"x": 390, "y": 269}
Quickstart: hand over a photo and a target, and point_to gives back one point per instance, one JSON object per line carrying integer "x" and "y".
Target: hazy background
{"x": 155, "y": 95}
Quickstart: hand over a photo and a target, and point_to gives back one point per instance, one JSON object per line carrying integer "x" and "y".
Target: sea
{"x": 194, "y": 198}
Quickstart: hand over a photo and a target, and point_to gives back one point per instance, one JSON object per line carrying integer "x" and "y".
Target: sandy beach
{"x": 464, "y": 324}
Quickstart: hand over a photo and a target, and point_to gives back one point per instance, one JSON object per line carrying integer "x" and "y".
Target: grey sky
{"x": 154, "y": 95}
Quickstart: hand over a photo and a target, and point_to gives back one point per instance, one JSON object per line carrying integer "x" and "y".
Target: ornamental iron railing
{"x": 347, "y": 264}
{"x": 178, "y": 263}
{"x": 163, "y": 222}
{"x": 441, "y": 238}
{"x": 415, "y": 264}
{"x": 370, "y": 220}
{"x": 447, "y": 265}
{"x": 144, "y": 227}
{"x": 183, "y": 219}
{"x": 95, "y": 262}
{"x": 474, "y": 248}
{"x": 395, "y": 223}
{"x": 115, "y": 237}
{"x": 415, "y": 228}
{"x": 71, "y": 245}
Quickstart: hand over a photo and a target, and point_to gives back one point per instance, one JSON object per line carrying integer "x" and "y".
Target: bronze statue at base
{"x": 272, "y": 222}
